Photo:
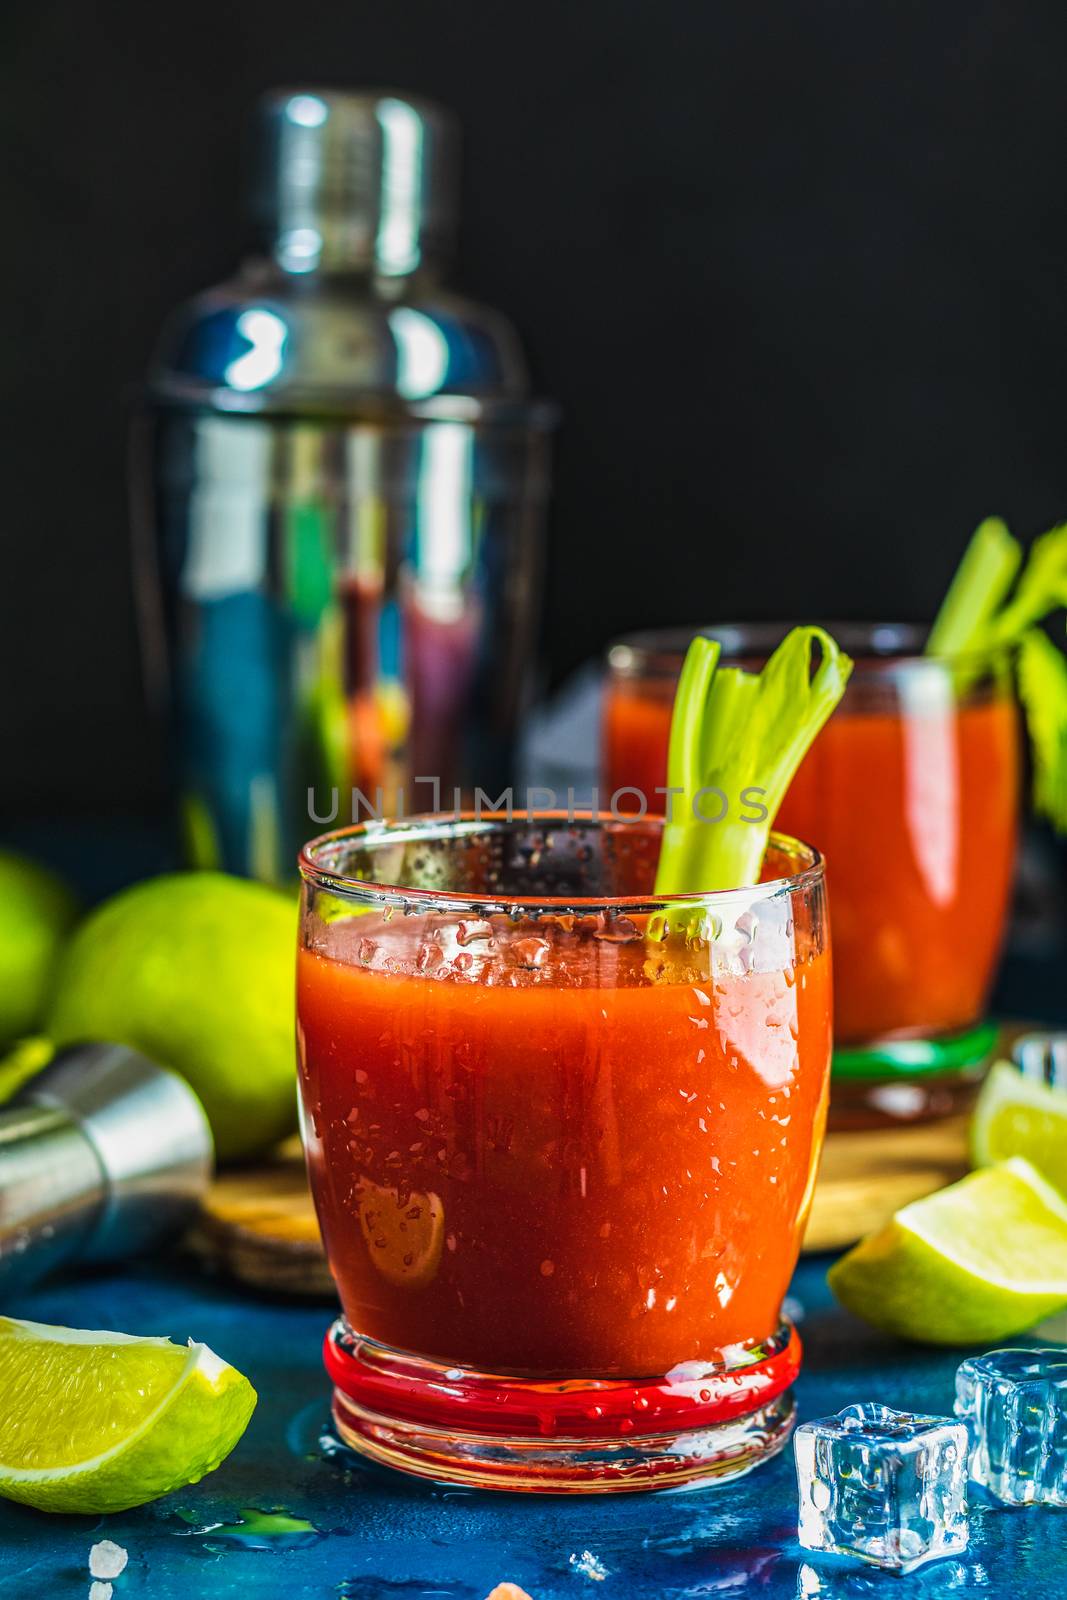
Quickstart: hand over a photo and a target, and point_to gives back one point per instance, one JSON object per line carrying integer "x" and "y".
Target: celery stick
{"x": 733, "y": 731}
{"x": 1042, "y": 588}
{"x": 684, "y": 754}
{"x": 980, "y": 610}
{"x": 982, "y": 613}
{"x": 1043, "y": 691}
{"x": 980, "y": 586}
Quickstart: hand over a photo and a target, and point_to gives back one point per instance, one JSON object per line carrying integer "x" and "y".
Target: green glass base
{"x": 911, "y": 1058}
{"x": 898, "y": 1082}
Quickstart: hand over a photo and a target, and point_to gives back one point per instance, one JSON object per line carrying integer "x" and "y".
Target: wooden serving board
{"x": 867, "y": 1176}
{"x": 258, "y": 1224}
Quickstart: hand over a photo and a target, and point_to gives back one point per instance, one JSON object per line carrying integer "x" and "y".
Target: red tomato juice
{"x": 915, "y": 810}
{"x": 534, "y": 1149}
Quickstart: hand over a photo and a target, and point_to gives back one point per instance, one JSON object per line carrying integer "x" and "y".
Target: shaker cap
{"x": 354, "y": 180}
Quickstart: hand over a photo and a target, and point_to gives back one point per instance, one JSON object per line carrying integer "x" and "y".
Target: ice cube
{"x": 107, "y": 1559}
{"x": 884, "y": 1486}
{"x": 1014, "y": 1403}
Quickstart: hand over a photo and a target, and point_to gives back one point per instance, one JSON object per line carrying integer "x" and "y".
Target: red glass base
{"x": 579, "y": 1436}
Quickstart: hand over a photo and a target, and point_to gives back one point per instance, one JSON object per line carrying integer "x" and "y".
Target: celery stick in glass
{"x": 738, "y": 734}
{"x": 982, "y": 611}
{"x": 982, "y": 581}
{"x": 1042, "y": 673}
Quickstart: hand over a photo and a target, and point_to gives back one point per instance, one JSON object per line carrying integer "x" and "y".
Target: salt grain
{"x": 590, "y": 1566}
{"x": 106, "y": 1560}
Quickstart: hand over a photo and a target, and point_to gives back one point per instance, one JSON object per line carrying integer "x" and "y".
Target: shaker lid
{"x": 334, "y": 316}
{"x": 354, "y": 180}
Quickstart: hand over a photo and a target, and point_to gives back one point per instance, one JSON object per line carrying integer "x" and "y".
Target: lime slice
{"x": 99, "y": 1422}
{"x": 974, "y": 1263}
{"x": 403, "y": 1239}
{"x": 1021, "y": 1116}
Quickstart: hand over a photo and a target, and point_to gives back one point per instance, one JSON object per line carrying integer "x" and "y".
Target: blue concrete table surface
{"x": 379, "y": 1536}
{"x": 382, "y": 1537}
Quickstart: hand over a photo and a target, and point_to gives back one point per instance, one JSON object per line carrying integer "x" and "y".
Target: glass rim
{"x": 432, "y": 826}
{"x": 875, "y": 647}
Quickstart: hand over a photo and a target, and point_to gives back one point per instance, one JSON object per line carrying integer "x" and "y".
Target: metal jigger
{"x": 102, "y": 1154}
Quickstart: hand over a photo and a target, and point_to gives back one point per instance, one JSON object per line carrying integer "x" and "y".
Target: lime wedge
{"x": 1021, "y": 1116}
{"x": 974, "y": 1263}
{"x": 99, "y": 1422}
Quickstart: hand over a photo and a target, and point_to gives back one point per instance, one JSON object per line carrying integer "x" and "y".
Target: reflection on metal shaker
{"x": 339, "y": 485}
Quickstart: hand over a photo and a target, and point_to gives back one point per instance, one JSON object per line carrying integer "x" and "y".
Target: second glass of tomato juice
{"x": 912, "y": 793}
{"x": 562, "y": 1137}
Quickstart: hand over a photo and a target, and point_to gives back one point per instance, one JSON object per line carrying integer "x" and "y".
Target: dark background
{"x": 795, "y": 271}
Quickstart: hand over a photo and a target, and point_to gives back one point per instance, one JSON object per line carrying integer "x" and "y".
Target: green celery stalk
{"x": 1042, "y": 674}
{"x": 983, "y": 612}
{"x": 978, "y": 589}
{"x": 1042, "y": 588}
{"x": 685, "y": 751}
{"x": 733, "y": 731}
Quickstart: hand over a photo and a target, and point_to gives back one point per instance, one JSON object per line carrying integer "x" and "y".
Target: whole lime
{"x": 36, "y": 912}
{"x": 22, "y": 1062}
{"x": 196, "y": 970}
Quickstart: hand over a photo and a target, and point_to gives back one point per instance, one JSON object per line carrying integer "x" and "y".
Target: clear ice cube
{"x": 1014, "y": 1403}
{"x": 883, "y": 1486}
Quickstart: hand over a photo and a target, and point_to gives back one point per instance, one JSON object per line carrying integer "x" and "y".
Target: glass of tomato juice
{"x": 911, "y": 792}
{"x": 562, "y": 1139}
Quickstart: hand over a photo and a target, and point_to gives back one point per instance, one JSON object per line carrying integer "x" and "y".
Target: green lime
{"x": 36, "y": 912}
{"x": 21, "y": 1062}
{"x": 99, "y": 1422}
{"x": 195, "y": 970}
{"x": 974, "y": 1263}
{"x": 1021, "y": 1116}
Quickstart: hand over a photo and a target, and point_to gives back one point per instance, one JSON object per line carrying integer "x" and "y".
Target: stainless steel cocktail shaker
{"x": 102, "y": 1154}
{"x": 339, "y": 481}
